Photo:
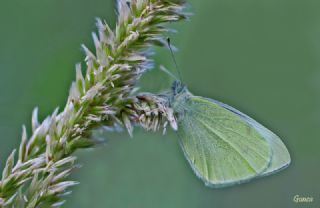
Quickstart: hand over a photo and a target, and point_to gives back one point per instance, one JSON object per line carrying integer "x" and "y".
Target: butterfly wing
{"x": 221, "y": 148}
{"x": 280, "y": 154}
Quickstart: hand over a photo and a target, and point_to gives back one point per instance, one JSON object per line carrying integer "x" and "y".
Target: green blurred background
{"x": 260, "y": 56}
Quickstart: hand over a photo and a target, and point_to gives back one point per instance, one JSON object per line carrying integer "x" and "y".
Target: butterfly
{"x": 223, "y": 145}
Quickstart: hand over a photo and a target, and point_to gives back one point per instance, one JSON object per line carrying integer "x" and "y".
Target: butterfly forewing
{"x": 221, "y": 147}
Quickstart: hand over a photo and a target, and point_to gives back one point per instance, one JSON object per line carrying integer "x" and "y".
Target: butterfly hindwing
{"x": 280, "y": 154}
{"x": 221, "y": 147}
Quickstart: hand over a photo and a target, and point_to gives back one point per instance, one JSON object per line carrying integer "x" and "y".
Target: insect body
{"x": 224, "y": 146}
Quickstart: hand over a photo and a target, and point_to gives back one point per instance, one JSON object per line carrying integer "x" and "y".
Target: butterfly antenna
{"x": 173, "y": 58}
{"x": 164, "y": 69}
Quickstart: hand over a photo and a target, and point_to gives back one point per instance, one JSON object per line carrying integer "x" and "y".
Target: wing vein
{"x": 229, "y": 144}
{"x": 229, "y": 129}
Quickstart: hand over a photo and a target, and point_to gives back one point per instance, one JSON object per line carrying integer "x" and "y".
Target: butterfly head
{"x": 178, "y": 88}
{"x": 180, "y": 95}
